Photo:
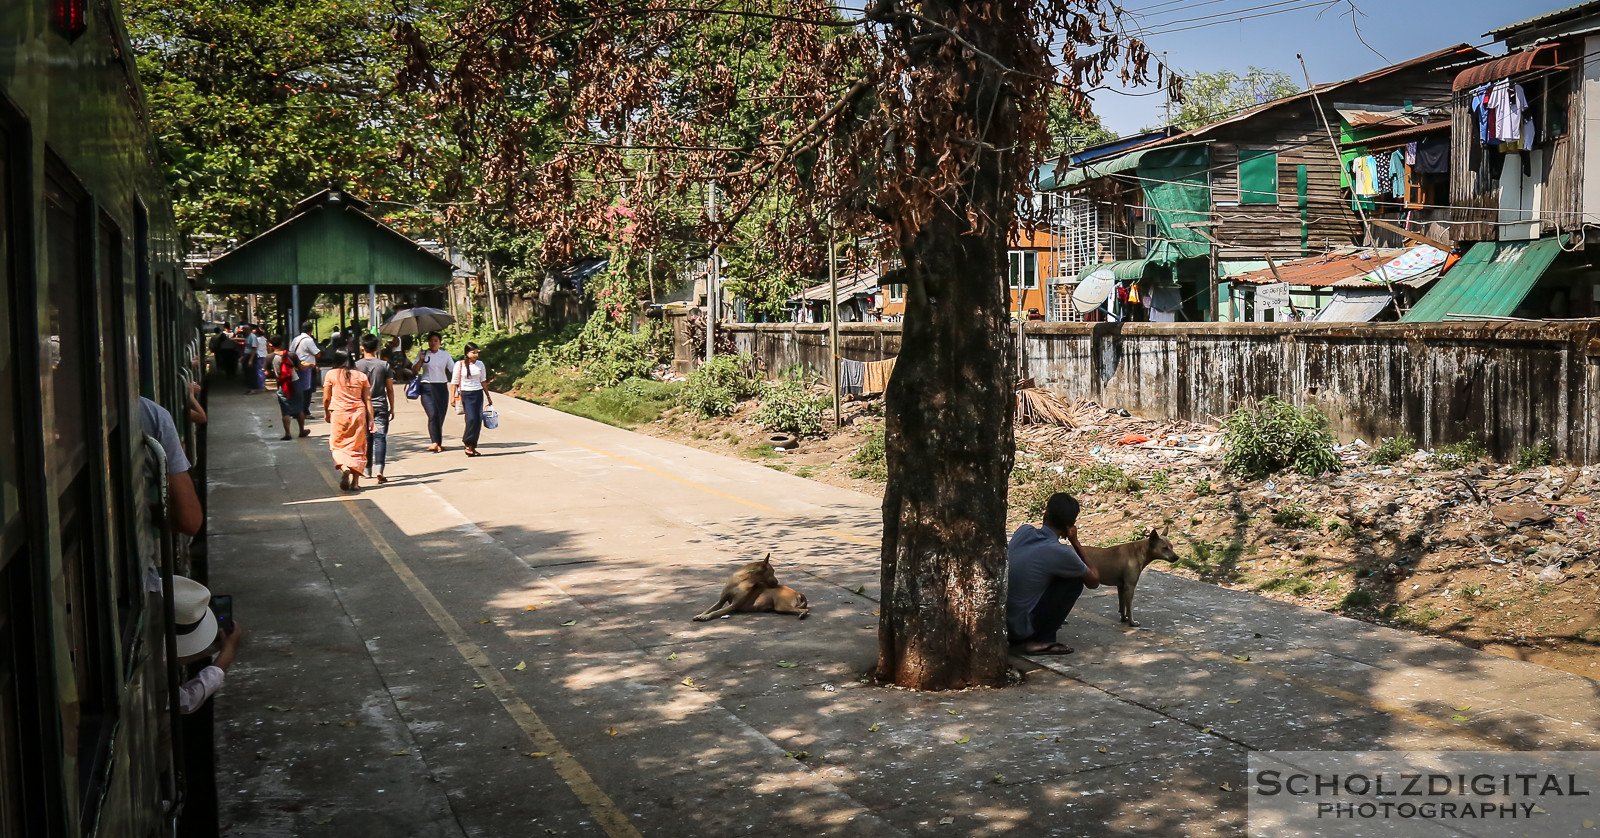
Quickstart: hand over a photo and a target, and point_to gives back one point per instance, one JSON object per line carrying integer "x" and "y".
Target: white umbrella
{"x": 417, "y": 321}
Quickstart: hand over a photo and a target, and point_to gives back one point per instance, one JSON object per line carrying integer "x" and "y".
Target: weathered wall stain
{"x": 1510, "y": 384}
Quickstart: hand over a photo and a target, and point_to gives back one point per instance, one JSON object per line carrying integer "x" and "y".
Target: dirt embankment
{"x": 1486, "y": 555}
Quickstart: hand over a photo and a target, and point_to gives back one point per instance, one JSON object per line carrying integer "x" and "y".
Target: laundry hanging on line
{"x": 875, "y": 375}
{"x": 851, "y": 374}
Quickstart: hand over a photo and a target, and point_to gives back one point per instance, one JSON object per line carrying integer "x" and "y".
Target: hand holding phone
{"x": 222, "y": 606}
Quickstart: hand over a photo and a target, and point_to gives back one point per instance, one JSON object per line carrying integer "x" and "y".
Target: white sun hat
{"x": 191, "y": 611}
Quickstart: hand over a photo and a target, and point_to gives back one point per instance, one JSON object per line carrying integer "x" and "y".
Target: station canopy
{"x": 327, "y": 245}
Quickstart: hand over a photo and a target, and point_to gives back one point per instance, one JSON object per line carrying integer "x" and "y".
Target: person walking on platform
{"x": 255, "y": 358}
{"x": 466, "y": 386}
{"x": 282, "y": 364}
{"x": 435, "y": 366}
{"x": 304, "y": 351}
{"x": 380, "y": 377}
{"x": 226, "y": 352}
{"x": 347, "y": 405}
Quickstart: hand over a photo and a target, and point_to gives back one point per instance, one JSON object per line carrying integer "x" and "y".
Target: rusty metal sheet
{"x": 1322, "y": 271}
{"x": 1502, "y": 68}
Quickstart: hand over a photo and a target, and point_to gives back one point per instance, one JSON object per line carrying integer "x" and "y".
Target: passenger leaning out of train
{"x": 201, "y": 634}
{"x": 183, "y": 504}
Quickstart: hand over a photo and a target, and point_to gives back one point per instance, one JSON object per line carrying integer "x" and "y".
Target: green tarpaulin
{"x": 1491, "y": 280}
{"x": 1176, "y": 186}
{"x": 1128, "y": 270}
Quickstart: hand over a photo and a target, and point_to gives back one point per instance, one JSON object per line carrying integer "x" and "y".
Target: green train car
{"x": 97, "y": 311}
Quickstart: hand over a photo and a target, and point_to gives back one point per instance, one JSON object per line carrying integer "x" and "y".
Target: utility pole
{"x": 711, "y": 275}
{"x": 833, "y": 331}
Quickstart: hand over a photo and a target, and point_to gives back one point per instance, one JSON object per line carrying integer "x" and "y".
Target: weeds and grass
{"x": 1535, "y": 455}
{"x": 792, "y": 405}
{"x": 1393, "y": 449}
{"x": 1355, "y": 599}
{"x": 634, "y": 402}
{"x": 1472, "y": 594}
{"x": 717, "y": 386}
{"x": 805, "y": 471}
{"x": 1159, "y": 482}
{"x": 1202, "y": 488}
{"x": 1213, "y": 560}
{"x": 1459, "y": 454}
{"x": 761, "y": 452}
{"x": 870, "y": 457}
{"x": 1272, "y": 435}
{"x": 1032, "y": 486}
{"x": 1295, "y": 517}
{"x": 1408, "y": 616}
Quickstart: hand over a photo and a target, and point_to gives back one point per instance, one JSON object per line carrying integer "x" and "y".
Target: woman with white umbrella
{"x": 434, "y": 365}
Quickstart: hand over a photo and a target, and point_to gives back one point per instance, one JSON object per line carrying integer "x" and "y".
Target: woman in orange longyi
{"x": 347, "y": 404}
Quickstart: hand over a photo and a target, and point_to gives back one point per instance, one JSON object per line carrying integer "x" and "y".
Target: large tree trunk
{"x": 949, "y": 434}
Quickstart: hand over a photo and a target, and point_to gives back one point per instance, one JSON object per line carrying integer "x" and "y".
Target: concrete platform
{"x": 501, "y": 646}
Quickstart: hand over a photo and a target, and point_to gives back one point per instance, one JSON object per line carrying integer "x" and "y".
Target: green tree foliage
{"x": 1208, "y": 97}
{"x": 1071, "y": 131}
{"x": 257, "y": 103}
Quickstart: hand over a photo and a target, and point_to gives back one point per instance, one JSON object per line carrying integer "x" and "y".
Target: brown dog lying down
{"x": 1122, "y": 564}
{"x": 755, "y": 587}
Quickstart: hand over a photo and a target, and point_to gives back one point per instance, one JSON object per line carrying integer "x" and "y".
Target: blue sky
{"x": 1399, "y": 29}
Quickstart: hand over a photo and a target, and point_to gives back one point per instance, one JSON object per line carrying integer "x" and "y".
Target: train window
{"x": 74, "y": 456}
{"x": 13, "y": 560}
{"x": 66, "y": 336}
{"x": 115, "y": 372}
{"x": 10, "y": 492}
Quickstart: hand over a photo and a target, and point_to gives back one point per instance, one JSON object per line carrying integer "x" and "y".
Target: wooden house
{"x": 1270, "y": 182}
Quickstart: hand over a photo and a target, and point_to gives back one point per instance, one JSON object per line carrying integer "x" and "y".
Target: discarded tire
{"x": 783, "y": 442}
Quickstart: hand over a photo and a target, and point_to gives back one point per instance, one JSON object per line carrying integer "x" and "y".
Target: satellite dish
{"x": 1094, "y": 289}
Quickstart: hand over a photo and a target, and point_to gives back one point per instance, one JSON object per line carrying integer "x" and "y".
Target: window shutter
{"x": 1258, "y": 176}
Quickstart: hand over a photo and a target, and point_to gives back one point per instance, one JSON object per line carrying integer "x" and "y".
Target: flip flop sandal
{"x": 1054, "y": 649}
{"x": 344, "y": 481}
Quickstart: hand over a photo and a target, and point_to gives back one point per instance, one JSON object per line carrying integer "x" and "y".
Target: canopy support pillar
{"x": 372, "y": 306}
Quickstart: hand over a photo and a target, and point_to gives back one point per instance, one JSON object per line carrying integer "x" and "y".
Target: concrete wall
{"x": 1510, "y": 383}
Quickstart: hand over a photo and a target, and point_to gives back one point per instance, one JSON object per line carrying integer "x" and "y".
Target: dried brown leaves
{"x": 875, "y": 122}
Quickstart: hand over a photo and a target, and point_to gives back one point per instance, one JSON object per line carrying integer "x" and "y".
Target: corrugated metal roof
{"x": 1511, "y": 65}
{"x": 1491, "y": 280}
{"x": 1463, "y": 51}
{"x": 1547, "y": 16}
{"x": 1322, "y": 271}
{"x": 1404, "y": 135}
{"x": 1354, "y": 305}
{"x": 865, "y": 282}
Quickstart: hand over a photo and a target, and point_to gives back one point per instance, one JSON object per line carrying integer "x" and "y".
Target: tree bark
{"x": 949, "y": 403}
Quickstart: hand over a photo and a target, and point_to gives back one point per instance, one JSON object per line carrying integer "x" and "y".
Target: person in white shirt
{"x": 255, "y": 357}
{"x": 305, "y": 351}
{"x": 435, "y": 365}
{"x": 466, "y": 386}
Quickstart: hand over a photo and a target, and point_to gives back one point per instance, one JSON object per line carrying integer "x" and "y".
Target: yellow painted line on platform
{"x": 1388, "y": 709}
{"x": 606, "y": 813}
{"x": 710, "y": 491}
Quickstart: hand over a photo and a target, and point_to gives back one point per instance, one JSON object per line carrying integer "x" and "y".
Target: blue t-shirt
{"x": 1034, "y": 557}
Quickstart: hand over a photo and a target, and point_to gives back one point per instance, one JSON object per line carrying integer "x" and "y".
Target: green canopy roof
{"x": 1128, "y": 270}
{"x": 327, "y": 244}
{"x": 1491, "y": 280}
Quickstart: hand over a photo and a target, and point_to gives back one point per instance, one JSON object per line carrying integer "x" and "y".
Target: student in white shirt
{"x": 466, "y": 385}
{"x": 435, "y": 365}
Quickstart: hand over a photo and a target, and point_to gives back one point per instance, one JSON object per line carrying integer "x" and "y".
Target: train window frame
{"x": 122, "y": 437}
{"x": 84, "y": 546}
{"x": 24, "y": 577}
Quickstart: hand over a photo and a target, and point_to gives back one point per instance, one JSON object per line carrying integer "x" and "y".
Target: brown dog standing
{"x": 755, "y": 587}
{"x": 1121, "y": 566}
